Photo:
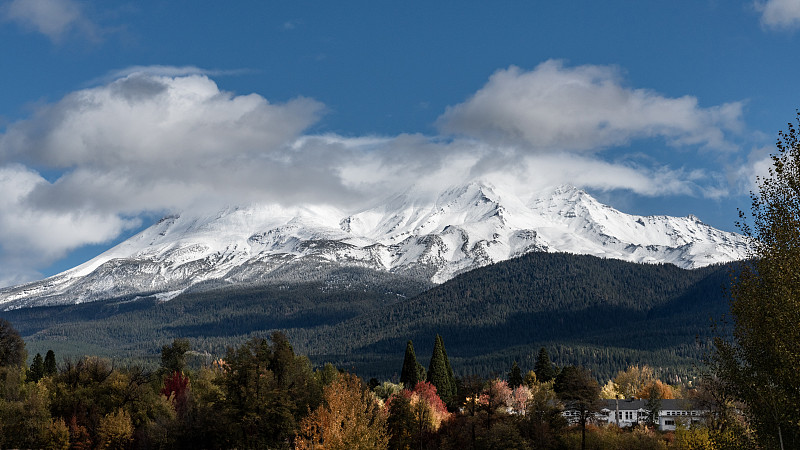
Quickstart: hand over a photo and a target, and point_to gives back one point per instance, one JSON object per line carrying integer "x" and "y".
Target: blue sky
{"x": 113, "y": 113}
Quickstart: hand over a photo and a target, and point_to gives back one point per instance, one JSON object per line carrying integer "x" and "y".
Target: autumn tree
{"x": 116, "y": 430}
{"x": 350, "y": 417}
{"x": 759, "y": 364}
{"x": 632, "y": 380}
{"x": 494, "y": 399}
{"x": 662, "y": 391}
{"x": 177, "y": 390}
{"x": 520, "y": 396}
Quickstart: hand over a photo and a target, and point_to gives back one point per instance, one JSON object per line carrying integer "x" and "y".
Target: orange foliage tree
{"x": 349, "y": 418}
{"x": 662, "y": 391}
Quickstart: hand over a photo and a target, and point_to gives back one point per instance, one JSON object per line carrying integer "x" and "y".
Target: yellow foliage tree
{"x": 116, "y": 430}
{"x": 630, "y": 381}
{"x": 609, "y": 390}
{"x": 349, "y": 418}
{"x": 57, "y": 435}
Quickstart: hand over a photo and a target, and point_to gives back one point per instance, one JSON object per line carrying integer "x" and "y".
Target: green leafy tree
{"x": 24, "y": 421}
{"x": 268, "y": 389}
{"x": 544, "y": 367}
{"x": 515, "y": 379}
{"x": 401, "y": 424}
{"x": 439, "y": 372}
{"x": 579, "y": 392}
{"x": 759, "y": 365}
{"x": 543, "y": 421}
{"x": 12, "y": 347}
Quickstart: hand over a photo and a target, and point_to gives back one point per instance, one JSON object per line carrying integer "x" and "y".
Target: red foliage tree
{"x": 176, "y": 388}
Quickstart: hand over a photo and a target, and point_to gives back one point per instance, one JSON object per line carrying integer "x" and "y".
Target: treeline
{"x": 264, "y": 395}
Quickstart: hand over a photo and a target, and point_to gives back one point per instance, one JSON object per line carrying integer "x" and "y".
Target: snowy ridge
{"x": 466, "y": 227}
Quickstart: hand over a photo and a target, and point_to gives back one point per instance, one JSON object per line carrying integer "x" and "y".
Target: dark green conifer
{"x": 36, "y": 371}
{"x": 515, "y": 376}
{"x": 173, "y": 357}
{"x": 50, "y": 363}
{"x": 439, "y": 372}
{"x": 410, "y": 375}
{"x": 544, "y": 368}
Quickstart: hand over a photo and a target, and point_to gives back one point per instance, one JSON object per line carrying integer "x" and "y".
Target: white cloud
{"x": 32, "y": 236}
{"x": 745, "y": 175}
{"x": 585, "y": 108}
{"x": 163, "y": 139}
{"x": 53, "y": 18}
{"x": 159, "y": 123}
{"x": 780, "y": 14}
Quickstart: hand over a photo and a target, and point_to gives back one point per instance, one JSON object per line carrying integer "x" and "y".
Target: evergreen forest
{"x": 598, "y": 313}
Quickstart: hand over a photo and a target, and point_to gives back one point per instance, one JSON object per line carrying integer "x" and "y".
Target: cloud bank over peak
{"x": 161, "y": 139}
{"x": 157, "y": 122}
{"x": 583, "y": 108}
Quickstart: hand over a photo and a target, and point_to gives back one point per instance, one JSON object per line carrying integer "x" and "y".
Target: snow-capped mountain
{"x": 465, "y": 227}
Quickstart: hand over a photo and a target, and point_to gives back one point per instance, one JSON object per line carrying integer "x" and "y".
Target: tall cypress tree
{"x": 515, "y": 376}
{"x": 36, "y": 372}
{"x": 544, "y": 368}
{"x": 453, "y": 386}
{"x": 439, "y": 372}
{"x": 410, "y": 375}
{"x": 50, "y": 363}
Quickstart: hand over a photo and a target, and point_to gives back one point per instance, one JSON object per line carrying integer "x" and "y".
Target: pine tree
{"x": 515, "y": 376}
{"x": 544, "y": 368}
{"x": 50, "y": 364}
{"x": 173, "y": 357}
{"x": 36, "y": 371}
{"x": 439, "y": 372}
{"x": 410, "y": 374}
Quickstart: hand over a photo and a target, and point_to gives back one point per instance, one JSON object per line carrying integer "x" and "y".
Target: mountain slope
{"x": 465, "y": 227}
{"x": 601, "y": 313}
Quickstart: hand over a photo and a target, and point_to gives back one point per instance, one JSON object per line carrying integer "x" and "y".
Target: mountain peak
{"x": 432, "y": 237}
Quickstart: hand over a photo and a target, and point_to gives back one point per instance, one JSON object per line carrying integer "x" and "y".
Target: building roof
{"x": 678, "y": 404}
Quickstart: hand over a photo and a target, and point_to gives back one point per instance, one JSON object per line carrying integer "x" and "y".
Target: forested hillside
{"x": 604, "y": 314}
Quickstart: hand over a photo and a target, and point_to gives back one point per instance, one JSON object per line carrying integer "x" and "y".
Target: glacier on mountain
{"x": 465, "y": 227}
